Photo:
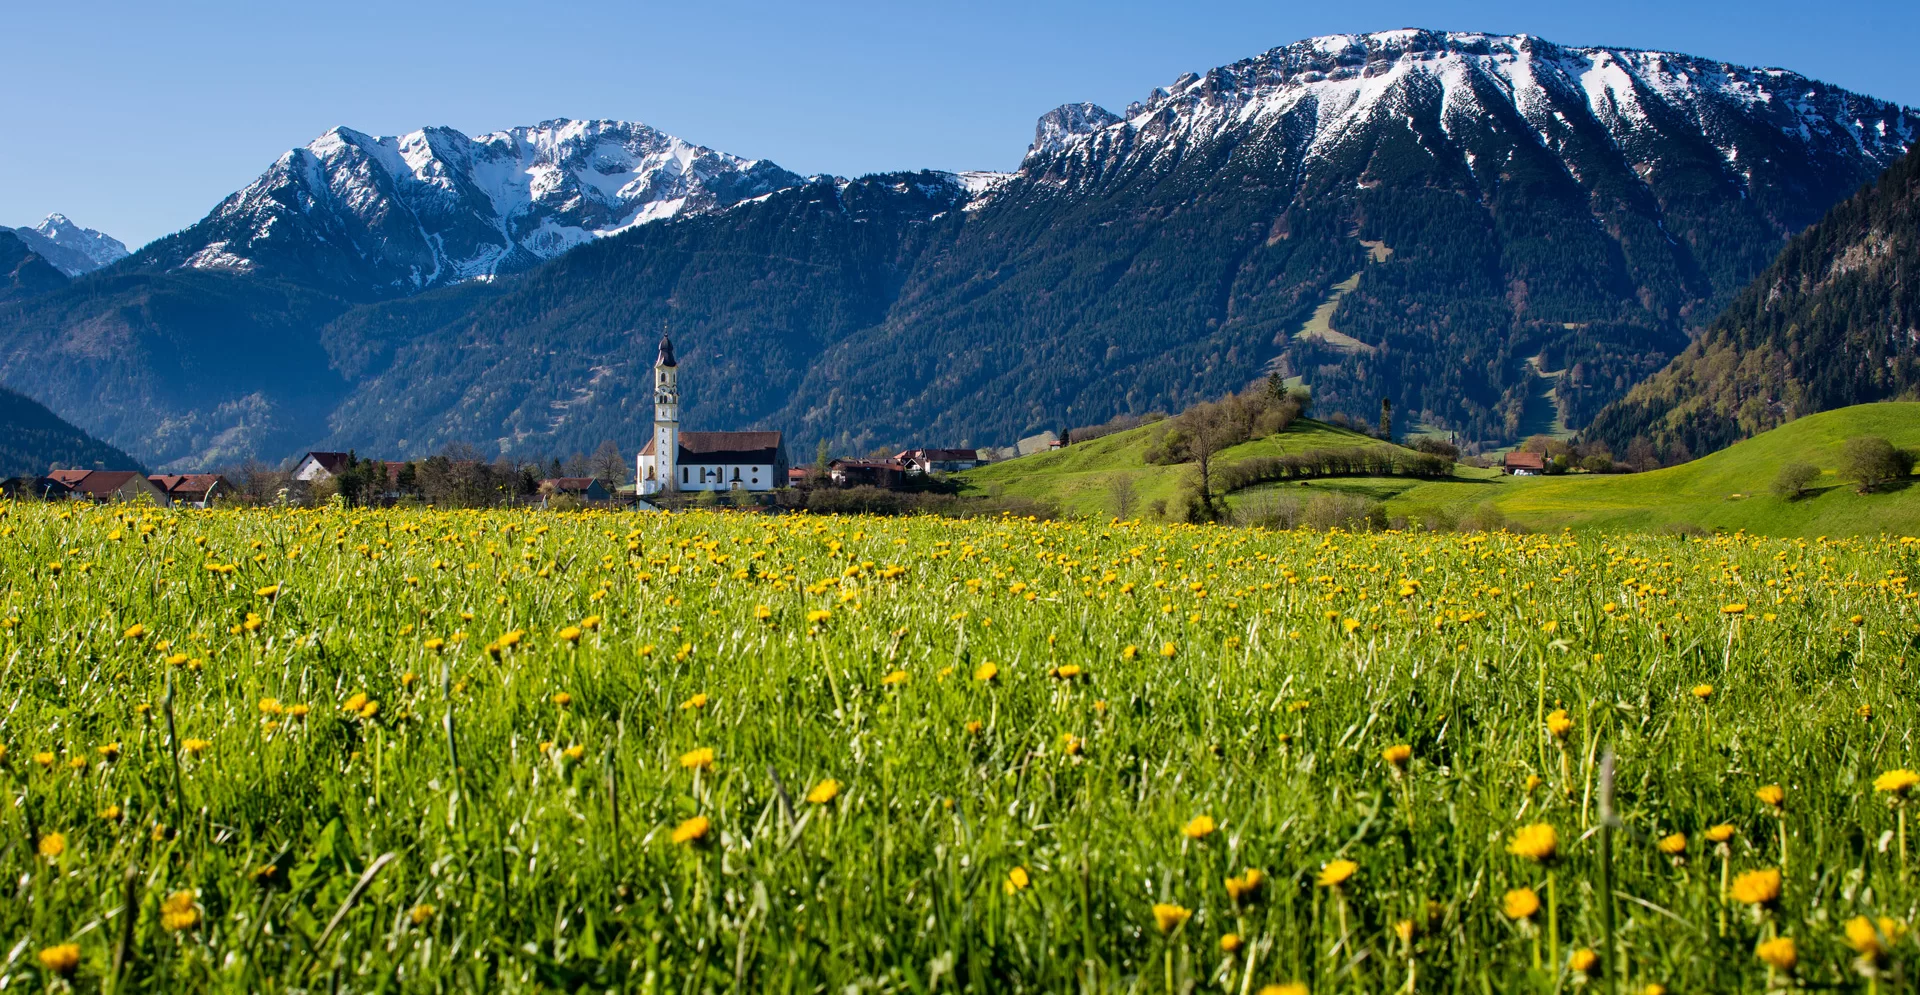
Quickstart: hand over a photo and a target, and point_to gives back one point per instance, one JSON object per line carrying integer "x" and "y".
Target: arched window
{"x": 736, "y": 473}
{"x": 683, "y": 474}
{"x": 649, "y": 473}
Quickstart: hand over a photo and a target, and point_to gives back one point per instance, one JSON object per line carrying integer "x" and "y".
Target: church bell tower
{"x": 666, "y": 415}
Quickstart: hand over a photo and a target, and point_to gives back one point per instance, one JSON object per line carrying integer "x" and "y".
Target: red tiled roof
{"x": 188, "y": 484}
{"x": 69, "y": 477}
{"x": 103, "y": 481}
{"x": 1526, "y": 461}
{"x": 570, "y": 483}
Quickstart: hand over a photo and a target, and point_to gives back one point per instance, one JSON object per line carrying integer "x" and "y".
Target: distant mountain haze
{"x": 71, "y": 249}
{"x": 1490, "y": 231}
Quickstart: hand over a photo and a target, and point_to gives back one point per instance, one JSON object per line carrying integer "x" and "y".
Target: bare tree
{"x": 1120, "y": 494}
{"x": 609, "y": 465}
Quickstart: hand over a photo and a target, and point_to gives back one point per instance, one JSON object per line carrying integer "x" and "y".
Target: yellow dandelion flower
{"x": 1772, "y": 795}
{"x": 1169, "y": 650}
{"x": 110, "y": 814}
{"x": 894, "y": 678}
{"x": 1703, "y": 691}
{"x": 196, "y": 746}
{"x": 420, "y": 914}
{"x": 570, "y": 634}
{"x": 1129, "y": 652}
{"x": 1520, "y": 903}
{"x": 699, "y": 700}
{"x": 1896, "y": 782}
{"x": 1778, "y": 953}
{"x": 986, "y": 671}
{"x": 1017, "y": 879}
{"x": 1870, "y": 938}
{"x": 61, "y": 958}
{"x": 1761, "y": 887}
{"x": 692, "y": 829}
{"x": 1290, "y": 988}
{"x": 1583, "y": 961}
{"x": 52, "y": 845}
{"x": 700, "y": 759}
{"x": 1066, "y": 672}
{"x": 269, "y": 592}
{"x": 179, "y": 911}
{"x": 1734, "y": 609}
{"x": 1169, "y": 917}
{"x": 1335, "y": 873}
{"x": 1673, "y": 845}
{"x": 1245, "y": 885}
{"x": 824, "y": 792}
{"x": 1720, "y": 833}
{"x": 1397, "y": 755}
{"x": 1537, "y": 842}
{"x": 1230, "y": 943}
{"x": 973, "y": 727}
{"x": 1199, "y": 827}
{"x": 111, "y": 752}
{"x": 1559, "y": 723}
{"x": 562, "y": 699}
{"x": 574, "y": 752}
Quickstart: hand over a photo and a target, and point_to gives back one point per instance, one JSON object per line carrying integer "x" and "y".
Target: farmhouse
{"x": 319, "y": 466}
{"x": 105, "y": 486}
{"x": 673, "y": 460}
{"x": 1525, "y": 464}
{"x": 588, "y": 489}
{"x": 194, "y": 489}
{"x": 939, "y": 460}
{"x": 871, "y": 472}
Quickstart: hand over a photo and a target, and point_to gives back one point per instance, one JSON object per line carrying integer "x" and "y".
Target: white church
{"x": 702, "y": 461}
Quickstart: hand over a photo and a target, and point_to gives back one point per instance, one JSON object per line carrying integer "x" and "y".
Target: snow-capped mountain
{"x": 1328, "y": 91}
{"x": 383, "y": 216}
{"x": 71, "y": 249}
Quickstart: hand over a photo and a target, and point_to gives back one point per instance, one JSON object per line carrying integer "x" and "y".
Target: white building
{"x": 673, "y": 460}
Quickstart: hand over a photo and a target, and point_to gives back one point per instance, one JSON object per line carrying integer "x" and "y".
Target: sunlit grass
{"x": 714, "y": 751}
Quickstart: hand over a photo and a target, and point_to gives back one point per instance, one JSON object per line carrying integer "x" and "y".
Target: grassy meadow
{"x": 715, "y": 751}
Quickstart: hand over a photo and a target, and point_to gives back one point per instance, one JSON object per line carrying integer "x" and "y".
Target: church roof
{"x": 724, "y": 447}
{"x": 666, "y": 353}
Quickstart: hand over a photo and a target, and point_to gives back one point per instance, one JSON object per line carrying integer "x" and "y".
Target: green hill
{"x": 1726, "y": 490}
{"x": 1084, "y": 479}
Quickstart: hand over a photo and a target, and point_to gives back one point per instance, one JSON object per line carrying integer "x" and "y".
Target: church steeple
{"x": 666, "y": 416}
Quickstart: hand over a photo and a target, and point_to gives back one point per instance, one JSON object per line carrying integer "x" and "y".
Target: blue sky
{"x": 136, "y": 120}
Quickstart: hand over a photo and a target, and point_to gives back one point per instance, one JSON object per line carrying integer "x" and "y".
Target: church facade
{"x": 673, "y": 460}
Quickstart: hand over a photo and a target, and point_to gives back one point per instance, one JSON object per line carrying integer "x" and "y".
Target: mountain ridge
{"x": 1473, "y": 211}
{"x": 70, "y": 248}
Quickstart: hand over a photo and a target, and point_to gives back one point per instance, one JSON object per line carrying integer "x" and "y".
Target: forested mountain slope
{"x": 1493, "y": 209}
{"x": 1835, "y": 321}
{"x": 33, "y": 439}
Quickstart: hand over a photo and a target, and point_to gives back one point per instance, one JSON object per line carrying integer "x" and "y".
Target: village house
{"x": 939, "y": 460}
{"x": 196, "y": 490}
{"x": 107, "y": 486}
{"x": 870, "y": 472}
{"x": 1525, "y": 464}
{"x": 673, "y": 460}
{"x": 588, "y": 489}
{"x": 319, "y": 466}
